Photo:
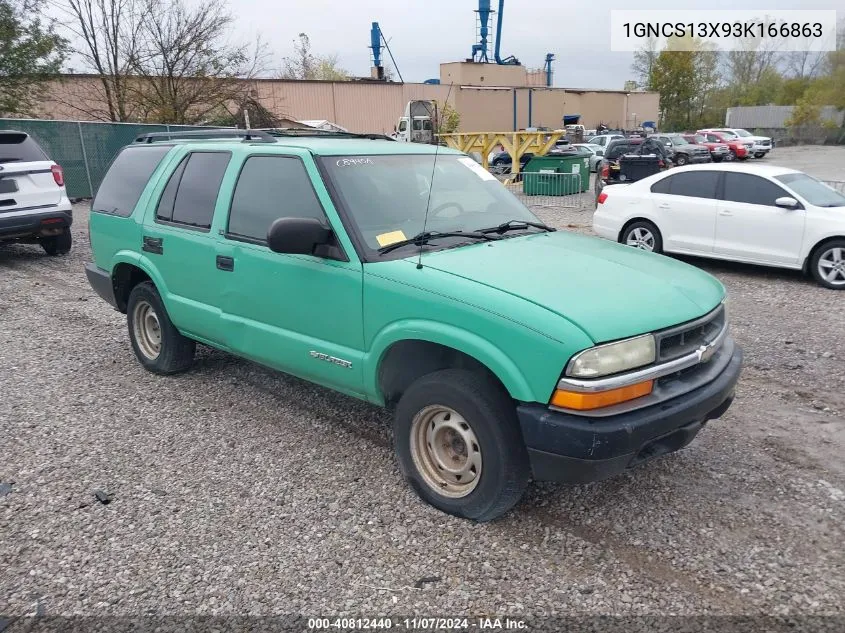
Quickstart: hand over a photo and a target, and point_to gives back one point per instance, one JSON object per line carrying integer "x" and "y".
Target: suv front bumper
{"x": 579, "y": 449}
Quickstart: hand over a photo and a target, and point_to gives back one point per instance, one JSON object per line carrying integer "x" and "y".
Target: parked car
{"x": 739, "y": 149}
{"x": 683, "y": 152}
{"x": 718, "y": 151}
{"x": 603, "y": 139}
{"x": 767, "y": 215}
{"x": 761, "y": 145}
{"x": 420, "y": 285}
{"x": 34, "y": 207}
{"x": 596, "y": 154}
{"x": 504, "y": 162}
{"x": 609, "y": 169}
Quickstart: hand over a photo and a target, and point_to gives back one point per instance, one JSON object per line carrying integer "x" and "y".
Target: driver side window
{"x": 403, "y": 125}
{"x": 269, "y": 188}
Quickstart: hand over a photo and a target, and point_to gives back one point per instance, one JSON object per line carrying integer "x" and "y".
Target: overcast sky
{"x": 424, "y": 33}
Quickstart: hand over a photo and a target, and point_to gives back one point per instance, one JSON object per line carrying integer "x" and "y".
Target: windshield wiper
{"x": 517, "y": 225}
{"x": 423, "y": 238}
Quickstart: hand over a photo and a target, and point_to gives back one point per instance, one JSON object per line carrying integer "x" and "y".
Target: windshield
{"x": 813, "y": 191}
{"x": 741, "y": 133}
{"x": 698, "y": 138}
{"x": 679, "y": 140}
{"x": 386, "y": 197}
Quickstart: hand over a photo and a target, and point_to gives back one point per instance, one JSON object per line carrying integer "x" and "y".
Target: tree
{"x": 643, "y": 65}
{"x": 30, "y": 53}
{"x": 185, "y": 68}
{"x": 304, "y": 64}
{"x": 106, "y": 39}
{"x": 450, "y": 119}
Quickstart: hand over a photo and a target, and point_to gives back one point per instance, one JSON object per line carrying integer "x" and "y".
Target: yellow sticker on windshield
{"x": 386, "y": 239}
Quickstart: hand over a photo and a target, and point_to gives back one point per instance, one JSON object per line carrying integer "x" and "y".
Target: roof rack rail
{"x": 246, "y": 135}
{"x": 295, "y": 131}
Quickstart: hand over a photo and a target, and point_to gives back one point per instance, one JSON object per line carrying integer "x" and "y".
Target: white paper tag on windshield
{"x": 478, "y": 169}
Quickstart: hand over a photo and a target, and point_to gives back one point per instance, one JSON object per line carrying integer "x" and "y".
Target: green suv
{"x": 406, "y": 275}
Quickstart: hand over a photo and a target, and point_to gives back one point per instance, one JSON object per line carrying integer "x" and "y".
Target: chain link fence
{"x": 551, "y": 190}
{"x": 84, "y": 149}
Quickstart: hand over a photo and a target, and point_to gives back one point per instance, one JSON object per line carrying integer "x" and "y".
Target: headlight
{"x": 612, "y": 358}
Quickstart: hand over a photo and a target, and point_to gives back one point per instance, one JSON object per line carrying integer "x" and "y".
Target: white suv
{"x": 34, "y": 206}
{"x": 761, "y": 145}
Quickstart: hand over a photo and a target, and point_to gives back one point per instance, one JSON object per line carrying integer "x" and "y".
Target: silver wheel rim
{"x": 445, "y": 451}
{"x": 147, "y": 329}
{"x": 832, "y": 266}
{"x": 640, "y": 238}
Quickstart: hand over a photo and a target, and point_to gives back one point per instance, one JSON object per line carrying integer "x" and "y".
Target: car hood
{"x": 695, "y": 146}
{"x": 608, "y": 290}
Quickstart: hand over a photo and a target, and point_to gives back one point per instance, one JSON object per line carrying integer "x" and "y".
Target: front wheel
{"x": 459, "y": 446}
{"x": 759, "y": 154}
{"x": 681, "y": 160}
{"x": 828, "y": 265}
{"x": 643, "y": 235}
{"x": 157, "y": 343}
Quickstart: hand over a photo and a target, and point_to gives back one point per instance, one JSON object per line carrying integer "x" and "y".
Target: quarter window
{"x": 750, "y": 189}
{"x": 126, "y": 179}
{"x": 269, "y": 188}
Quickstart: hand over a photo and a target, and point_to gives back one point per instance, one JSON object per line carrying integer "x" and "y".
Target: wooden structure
{"x": 516, "y": 144}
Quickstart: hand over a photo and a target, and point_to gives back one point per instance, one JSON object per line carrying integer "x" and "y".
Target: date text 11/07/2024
{"x": 418, "y": 624}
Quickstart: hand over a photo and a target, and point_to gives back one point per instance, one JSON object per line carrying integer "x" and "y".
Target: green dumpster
{"x": 556, "y": 175}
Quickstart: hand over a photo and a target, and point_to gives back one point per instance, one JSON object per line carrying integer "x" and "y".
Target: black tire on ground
{"x": 716, "y": 159}
{"x": 731, "y": 156}
{"x": 759, "y": 154}
{"x": 176, "y": 352}
{"x": 825, "y": 250}
{"x": 681, "y": 160}
{"x": 744, "y": 158}
{"x": 491, "y": 416}
{"x": 58, "y": 244}
{"x": 630, "y": 232}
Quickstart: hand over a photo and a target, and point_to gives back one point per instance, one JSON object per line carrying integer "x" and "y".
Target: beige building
{"x": 488, "y": 97}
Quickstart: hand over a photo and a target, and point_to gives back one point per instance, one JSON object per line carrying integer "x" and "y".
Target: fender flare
{"x": 462, "y": 340}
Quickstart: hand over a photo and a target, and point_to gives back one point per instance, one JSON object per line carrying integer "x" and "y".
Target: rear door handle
{"x": 225, "y": 263}
{"x": 153, "y": 245}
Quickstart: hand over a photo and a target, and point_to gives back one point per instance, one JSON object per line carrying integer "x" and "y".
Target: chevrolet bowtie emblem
{"x": 705, "y": 353}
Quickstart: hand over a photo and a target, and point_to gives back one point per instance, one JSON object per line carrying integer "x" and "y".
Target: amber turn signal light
{"x": 586, "y": 401}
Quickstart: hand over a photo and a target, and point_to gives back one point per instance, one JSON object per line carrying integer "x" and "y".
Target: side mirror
{"x": 298, "y": 236}
{"x": 786, "y": 202}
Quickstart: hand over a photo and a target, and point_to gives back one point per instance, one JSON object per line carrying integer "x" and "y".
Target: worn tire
{"x": 176, "y": 352}
{"x": 58, "y": 244}
{"x": 491, "y": 414}
{"x": 824, "y": 249}
{"x": 646, "y": 225}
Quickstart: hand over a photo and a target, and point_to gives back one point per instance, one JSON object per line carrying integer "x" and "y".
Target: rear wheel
{"x": 643, "y": 235}
{"x": 58, "y": 244}
{"x": 157, "y": 343}
{"x": 459, "y": 446}
{"x": 828, "y": 265}
{"x": 759, "y": 154}
{"x": 717, "y": 159}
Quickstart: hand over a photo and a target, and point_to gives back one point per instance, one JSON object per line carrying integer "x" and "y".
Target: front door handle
{"x": 725, "y": 212}
{"x": 664, "y": 205}
{"x": 153, "y": 245}
{"x": 225, "y": 263}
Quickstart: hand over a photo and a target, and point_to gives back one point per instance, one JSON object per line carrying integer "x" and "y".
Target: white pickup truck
{"x": 762, "y": 144}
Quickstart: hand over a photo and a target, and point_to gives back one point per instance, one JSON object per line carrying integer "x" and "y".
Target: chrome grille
{"x": 684, "y": 339}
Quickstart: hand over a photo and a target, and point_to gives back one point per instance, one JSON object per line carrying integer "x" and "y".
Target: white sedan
{"x": 757, "y": 214}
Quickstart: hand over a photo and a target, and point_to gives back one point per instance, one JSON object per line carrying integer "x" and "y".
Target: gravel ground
{"x": 237, "y": 490}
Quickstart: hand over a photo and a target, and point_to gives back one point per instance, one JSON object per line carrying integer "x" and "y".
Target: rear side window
{"x": 269, "y": 188}
{"x": 125, "y": 181}
{"x": 617, "y": 149}
{"x": 751, "y": 189}
{"x": 191, "y": 192}
{"x": 17, "y": 147}
{"x": 693, "y": 184}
